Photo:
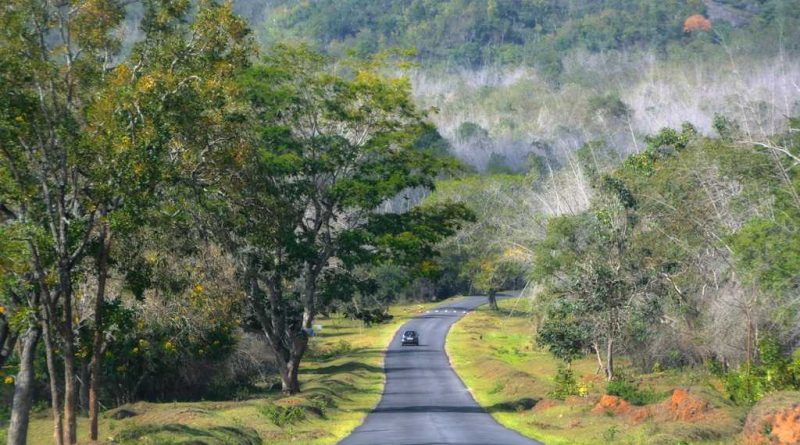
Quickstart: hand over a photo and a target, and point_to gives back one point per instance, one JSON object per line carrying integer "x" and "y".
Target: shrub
{"x": 283, "y": 415}
{"x": 632, "y": 393}
{"x": 775, "y": 372}
{"x": 566, "y": 385}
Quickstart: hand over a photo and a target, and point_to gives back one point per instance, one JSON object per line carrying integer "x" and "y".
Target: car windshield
{"x": 410, "y": 333}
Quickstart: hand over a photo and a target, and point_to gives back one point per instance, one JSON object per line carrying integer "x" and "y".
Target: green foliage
{"x": 469, "y": 131}
{"x": 660, "y": 146}
{"x": 632, "y": 392}
{"x": 610, "y": 434}
{"x": 339, "y": 349}
{"x": 562, "y": 332}
{"x": 774, "y": 372}
{"x": 565, "y": 384}
{"x": 484, "y": 32}
{"x": 609, "y": 107}
{"x": 283, "y": 416}
{"x": 499, "y": 165}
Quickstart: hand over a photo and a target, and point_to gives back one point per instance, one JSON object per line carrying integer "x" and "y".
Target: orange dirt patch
{"x": 687, "y": 407}
{"x": 780, "y": 426}
{"x": 612, "y": 404}
{"x": 620, "y": 407}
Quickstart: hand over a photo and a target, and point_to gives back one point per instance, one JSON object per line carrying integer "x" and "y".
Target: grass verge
{"x": 496, "y": 356}
{"x": 342, "y": 380}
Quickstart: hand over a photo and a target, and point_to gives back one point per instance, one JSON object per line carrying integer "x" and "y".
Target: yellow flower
{"x": 136, "y": 350}
{"x": 9, "y": 380}
{"x": 169, "y": 346}
{"x": 198, "y": 287}
{"x": 2, "y": 310}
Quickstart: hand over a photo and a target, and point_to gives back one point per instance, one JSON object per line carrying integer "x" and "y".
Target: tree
{"x": 493, "y": 273}
{"x": 488, "y": 252}
{"x": 168, "y": 99}
{"x": 86, "y": 139}
{"x": 593, "y": 278}
{"x": 298, "y": 202}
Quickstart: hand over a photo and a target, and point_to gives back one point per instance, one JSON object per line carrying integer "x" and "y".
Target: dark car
{"x": 410, "y": 338}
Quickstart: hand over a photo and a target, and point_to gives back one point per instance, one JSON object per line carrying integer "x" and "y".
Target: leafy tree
{"x": 301, "y": 192}
{"x": 486, "y": 253}
{"x": 593, "y": 278}
{"x": 89, "y": 143}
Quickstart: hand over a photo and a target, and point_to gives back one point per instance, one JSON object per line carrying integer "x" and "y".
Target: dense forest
{"x": 186, "y": 187}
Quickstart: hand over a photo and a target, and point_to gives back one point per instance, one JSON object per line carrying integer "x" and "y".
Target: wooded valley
{"x": 190, "y": 190}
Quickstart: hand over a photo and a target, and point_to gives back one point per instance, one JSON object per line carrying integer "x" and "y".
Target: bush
{"x": 283, "y": 415}
{"x": 566, "y": 385}
{"x": 632, "y": 393}
{"x": 775, "y": 372}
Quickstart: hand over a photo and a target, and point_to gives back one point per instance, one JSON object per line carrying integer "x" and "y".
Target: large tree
{"x": 298, "y": 198}
{"x": 90, "y": 141}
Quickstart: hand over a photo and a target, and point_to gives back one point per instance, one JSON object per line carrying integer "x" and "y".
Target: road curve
{"x": 424, "y": 402}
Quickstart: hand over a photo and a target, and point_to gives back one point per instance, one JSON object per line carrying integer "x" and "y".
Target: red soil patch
{"x": 777, "y": 426}
{"x": 619, "y": 407}
{"x": 687, "y": 407}
{"x": 683, "y": 406}
{"x": 612, "y": 404}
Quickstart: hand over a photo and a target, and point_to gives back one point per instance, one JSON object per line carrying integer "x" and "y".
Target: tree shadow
{"x": 522, "y": 404}
{"x": 350, "y": 366}
{"x": 189, "y": 435}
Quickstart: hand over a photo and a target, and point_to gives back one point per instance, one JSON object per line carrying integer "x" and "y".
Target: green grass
{"x": 496, "y": 356}
{"x": 341, "y": 382}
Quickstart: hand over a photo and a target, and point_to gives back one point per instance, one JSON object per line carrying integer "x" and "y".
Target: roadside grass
{"x": 496, "y": 356}
{"x": 341, "y": 381}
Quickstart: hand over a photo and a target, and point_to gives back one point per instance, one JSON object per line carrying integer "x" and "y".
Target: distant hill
{"x": 473, "y": 33}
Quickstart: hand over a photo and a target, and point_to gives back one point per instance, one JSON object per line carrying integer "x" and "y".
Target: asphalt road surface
{"x": 424, "y": 402}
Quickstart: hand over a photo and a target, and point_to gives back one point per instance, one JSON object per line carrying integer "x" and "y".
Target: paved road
{"x": 424, "y": 401}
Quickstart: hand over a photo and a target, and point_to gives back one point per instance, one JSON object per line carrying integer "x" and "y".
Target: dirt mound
{"x": 687, "y": 407}
{"x": 775, "y": 420}
{"x": 683, "y": 406}
{"x": 617, "y": 406}
{"x": 612, "y": 404}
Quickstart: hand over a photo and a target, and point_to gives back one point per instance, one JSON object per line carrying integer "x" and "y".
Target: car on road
{"x": 410, "y": 338}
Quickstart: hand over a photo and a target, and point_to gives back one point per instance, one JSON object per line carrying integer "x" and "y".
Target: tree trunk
{"x": 600, "y": 366}
{"x": 289, "y": 369}
{"x": 55, "y": 397}
{"x": 290, "y": 384}
{"x": 8, "y": 340}
{"x": 493, "y": 299}
{"x": 23, "y": 389}
{"x": 70, "y": 396}
{"x": 610, "y": 359}
{"x": 97, "y": 343}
